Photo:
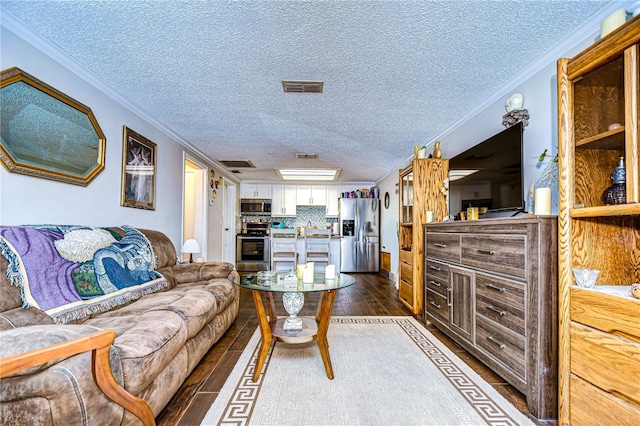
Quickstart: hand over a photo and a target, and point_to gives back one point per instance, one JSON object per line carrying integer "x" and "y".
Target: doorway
{"x": 194, "y": 218}
{"x": 230, "y": 225}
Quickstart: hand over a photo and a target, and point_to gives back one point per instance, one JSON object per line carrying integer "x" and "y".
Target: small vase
{"x": 616, "y": 193}
{"x": 437, "y": 151}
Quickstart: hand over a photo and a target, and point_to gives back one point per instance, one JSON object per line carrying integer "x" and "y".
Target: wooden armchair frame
{"x": 99, "y": 344}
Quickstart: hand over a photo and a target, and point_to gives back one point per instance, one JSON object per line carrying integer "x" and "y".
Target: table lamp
{"x": 191, "y": 246}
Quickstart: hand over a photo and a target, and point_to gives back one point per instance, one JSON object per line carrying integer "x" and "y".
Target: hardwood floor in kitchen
{"x": 372, "y": 294}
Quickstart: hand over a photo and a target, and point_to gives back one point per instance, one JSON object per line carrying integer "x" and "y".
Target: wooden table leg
{"x": 265, "y": 330}
{"x": 323, "y": 317}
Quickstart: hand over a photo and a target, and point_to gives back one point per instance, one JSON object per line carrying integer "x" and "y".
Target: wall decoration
{"x": 138, "y": 171}
{"x": 47, "y": 134}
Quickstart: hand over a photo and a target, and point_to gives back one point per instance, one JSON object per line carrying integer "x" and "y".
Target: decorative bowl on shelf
{"x": 585, "y": 277}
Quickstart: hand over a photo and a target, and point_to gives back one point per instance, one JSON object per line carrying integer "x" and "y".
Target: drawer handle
{"x": 431, "y": 302}
{"x": 437, "y": 284}
{"x": 496, "y": 310}
{"x": 449, "y": 296}
{"x": 440, "y": 245}
{"x": 434, "y": 268}
{"x": 496, "y": 288}
{"x": 489, "y": 252}
{"x": 500, "y": 345}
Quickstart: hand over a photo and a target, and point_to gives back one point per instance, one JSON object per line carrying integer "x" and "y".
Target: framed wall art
{"x": 47, "y": 134}
{"x": 138, "y": 171}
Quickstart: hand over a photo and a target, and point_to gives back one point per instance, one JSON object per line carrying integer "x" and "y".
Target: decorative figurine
{"x": 515, "y": 112}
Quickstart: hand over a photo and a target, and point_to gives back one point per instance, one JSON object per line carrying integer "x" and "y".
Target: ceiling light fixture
{"x": 308, "y": 174}
{"x": 459, "y": 174}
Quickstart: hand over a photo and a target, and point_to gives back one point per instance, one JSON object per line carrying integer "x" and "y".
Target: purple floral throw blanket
{"x": 73, "y": 272}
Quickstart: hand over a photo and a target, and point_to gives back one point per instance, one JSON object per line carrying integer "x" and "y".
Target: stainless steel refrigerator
{"x": 360, "y": 231}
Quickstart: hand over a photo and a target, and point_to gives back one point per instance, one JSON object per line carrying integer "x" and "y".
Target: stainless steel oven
{"x": 252, "y": 253}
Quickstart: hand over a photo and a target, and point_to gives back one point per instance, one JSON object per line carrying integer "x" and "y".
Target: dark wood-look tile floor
{"x": 371, "y": 295}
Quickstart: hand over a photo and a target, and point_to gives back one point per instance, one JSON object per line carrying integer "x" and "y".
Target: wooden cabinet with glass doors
{"x": 599, "y": 333}
{"x": 420, "y": 187}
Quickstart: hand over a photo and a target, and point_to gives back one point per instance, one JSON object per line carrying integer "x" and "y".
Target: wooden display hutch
{"x": 599, "y": 333}
{"x": 420, "y": 191}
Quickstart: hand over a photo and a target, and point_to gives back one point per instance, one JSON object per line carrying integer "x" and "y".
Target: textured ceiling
{"x": 396, "y": 73}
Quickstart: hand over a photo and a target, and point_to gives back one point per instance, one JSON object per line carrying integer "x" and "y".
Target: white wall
{"x": 30, "y": 200}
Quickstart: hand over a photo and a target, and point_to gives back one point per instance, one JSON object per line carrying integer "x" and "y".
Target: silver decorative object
{"x": 293, "y": 303}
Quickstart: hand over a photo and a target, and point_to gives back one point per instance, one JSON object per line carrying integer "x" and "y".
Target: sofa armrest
{"x": 196, "y": 272}
{"x": 99, "y": 344}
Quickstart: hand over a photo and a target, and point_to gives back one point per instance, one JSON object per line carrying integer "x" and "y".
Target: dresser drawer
{"x": 591, "y": 405}
{"x": 504, "y": 254}
{"x": 406, "y": 273}
{"x": 503, "y": 344}
{"x": 437, "y": 270}
{"x": 436, "y": 305}
{"x": 607, "y": 361}
{"x": 406, "y": 256}
{"x": 437, "y": 285}
{"x": 606, "y": 312}
{"x": 443, "y": 246}
{"x": 406, "y": 292}
{"x": 501, "y": 301}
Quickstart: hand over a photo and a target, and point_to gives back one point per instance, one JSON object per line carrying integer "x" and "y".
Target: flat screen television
{"x": 489, "y": 175}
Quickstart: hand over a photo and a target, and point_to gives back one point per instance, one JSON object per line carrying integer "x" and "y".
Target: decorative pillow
{"x": 80, "y": 245}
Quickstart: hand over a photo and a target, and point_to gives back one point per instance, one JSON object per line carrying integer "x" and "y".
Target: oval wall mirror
{"x": 47, "y": 134}
{"x": 386, "y": 200}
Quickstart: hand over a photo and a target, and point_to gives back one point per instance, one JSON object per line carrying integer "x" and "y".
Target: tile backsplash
{"x": 305, "y": 215}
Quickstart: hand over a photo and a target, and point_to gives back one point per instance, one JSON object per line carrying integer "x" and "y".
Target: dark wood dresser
{"x": 491, "y": 285}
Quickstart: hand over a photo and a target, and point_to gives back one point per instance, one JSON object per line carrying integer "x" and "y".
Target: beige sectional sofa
{"x": 161, "y": 333}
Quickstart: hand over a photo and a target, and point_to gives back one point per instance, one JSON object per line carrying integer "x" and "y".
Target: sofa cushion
{"x": 146, "y": 341}
{"x": 221, "y": 288}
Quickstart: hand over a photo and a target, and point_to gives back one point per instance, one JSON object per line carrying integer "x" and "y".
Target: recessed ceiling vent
{"x": 237, "y": 164}
{"x": 308, "y": 156}
{"x": 292, "y": 86}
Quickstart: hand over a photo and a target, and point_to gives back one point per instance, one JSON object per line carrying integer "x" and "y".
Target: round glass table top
{"x": 284, "y": 282}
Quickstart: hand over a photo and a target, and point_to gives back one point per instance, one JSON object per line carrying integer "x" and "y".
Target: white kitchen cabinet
{"x": 283, "y": 200}
{"x": 253, "y": 190}
{"x": 311, "y": 195}
{"x": 333, "y": 195}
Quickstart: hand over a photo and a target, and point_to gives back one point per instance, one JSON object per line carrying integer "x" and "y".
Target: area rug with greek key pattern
{"x": 388, "y": 371}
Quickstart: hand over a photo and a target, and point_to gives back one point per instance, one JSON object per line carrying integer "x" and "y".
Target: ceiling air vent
{"x": 307, "y": 156}
{"x": 237, "y": 164}
{"x": 292, "y": 86}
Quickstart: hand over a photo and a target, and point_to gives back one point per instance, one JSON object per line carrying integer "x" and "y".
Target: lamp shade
{"x": 191, "y": 246}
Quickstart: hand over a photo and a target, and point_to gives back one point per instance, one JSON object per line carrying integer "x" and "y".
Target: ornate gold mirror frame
{"x": 47, "y": 134}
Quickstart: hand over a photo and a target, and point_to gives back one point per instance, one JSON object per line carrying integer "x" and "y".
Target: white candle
{"x": 300, "y": 267}
{"x": 330, "y": 272}
{"x": 307, "y": 276}
{"x": 542, "y": 201}
{"x": 429, "y": 217}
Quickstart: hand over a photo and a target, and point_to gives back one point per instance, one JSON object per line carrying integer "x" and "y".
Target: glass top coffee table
{"x": 294, "y": 329}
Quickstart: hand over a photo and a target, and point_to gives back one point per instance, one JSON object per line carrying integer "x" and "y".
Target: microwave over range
{"x": 257, "y": 207}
